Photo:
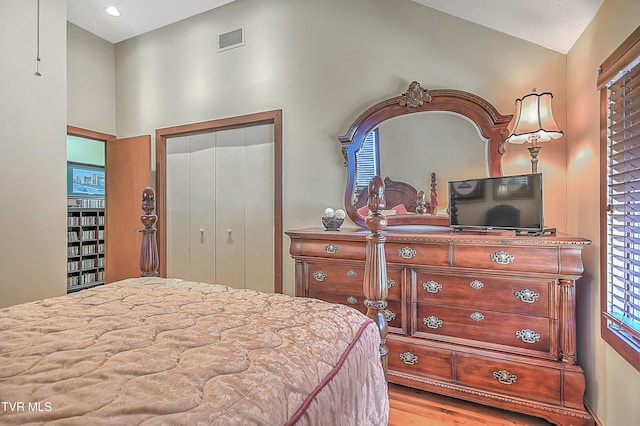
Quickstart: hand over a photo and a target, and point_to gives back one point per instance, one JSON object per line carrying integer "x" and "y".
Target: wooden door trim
{"x": 267, "y": 117}
{"x": 89, "y": 134}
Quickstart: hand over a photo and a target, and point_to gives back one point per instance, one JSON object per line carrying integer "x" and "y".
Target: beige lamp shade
{"x": 534, "y": 120}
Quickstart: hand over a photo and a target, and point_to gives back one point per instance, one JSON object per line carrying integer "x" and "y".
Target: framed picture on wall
{"x": 85, "y": 180}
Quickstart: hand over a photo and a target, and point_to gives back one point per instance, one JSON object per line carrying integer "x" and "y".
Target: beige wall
{"x": 32, "y": 152}
{"x": 91, "y": 86}
{"x": 613, "y": 385}
{"x": 323, "y": 72}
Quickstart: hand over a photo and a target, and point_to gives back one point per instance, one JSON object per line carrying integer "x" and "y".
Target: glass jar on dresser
{"x": 483, "y": 316}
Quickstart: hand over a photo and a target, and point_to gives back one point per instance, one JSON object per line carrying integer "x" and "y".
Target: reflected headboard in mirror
{"x": 452, "y": 133}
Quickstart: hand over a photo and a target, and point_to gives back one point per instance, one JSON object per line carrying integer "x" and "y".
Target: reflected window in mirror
{"x": 368, "y": 159}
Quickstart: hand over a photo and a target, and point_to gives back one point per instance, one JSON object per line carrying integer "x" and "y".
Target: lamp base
{"x": 533, "y": 151}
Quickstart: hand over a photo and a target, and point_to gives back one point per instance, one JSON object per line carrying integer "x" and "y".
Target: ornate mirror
{"x": 419, "y": 141}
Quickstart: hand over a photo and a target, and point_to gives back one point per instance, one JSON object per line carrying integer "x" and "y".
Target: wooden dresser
{"x": 487, "y": 317}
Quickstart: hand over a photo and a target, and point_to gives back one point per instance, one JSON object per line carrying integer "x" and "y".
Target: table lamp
{"x": 534, "y": 123}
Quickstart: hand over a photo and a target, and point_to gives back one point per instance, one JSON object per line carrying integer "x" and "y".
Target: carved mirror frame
{"x": 492, "y": 125}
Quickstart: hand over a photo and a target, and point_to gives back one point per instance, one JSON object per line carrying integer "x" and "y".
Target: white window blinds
{"x": 367, "y": 162}
{"x": 623, "y": 210}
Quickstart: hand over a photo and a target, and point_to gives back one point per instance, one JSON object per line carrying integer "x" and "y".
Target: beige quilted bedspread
{"x": 161, "y": 351}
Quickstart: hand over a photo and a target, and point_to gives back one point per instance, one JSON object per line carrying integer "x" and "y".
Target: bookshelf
{"x": 85, "y": 244}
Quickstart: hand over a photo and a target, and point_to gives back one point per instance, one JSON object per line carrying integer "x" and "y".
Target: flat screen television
{"x": 506, "y": 202}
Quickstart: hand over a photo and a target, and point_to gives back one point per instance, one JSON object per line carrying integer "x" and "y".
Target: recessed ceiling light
{"x": 112, "y": 11}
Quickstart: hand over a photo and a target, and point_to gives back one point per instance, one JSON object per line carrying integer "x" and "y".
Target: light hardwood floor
{"x": 410, "y": 407}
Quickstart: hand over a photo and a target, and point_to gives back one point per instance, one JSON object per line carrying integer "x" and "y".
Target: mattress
{"x": 167, "y": 351}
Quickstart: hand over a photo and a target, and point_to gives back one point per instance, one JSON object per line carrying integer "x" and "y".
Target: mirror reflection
{"x": 418, "y": 142}
{"x": 412, "y": 148}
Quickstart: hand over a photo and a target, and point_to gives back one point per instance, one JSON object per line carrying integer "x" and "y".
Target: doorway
{"x": 128, "y": 171}
{"x": 85, "y": 212}
{"x": 218, "y": 142}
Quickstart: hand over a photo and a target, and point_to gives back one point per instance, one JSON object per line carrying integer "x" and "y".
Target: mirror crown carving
{"x": 415, "y": 96}
{"x": 491, "y": 125}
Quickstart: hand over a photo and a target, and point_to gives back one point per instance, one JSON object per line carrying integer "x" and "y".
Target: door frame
{"x": 267, "y": 117}
{"x": 89, "y": 134}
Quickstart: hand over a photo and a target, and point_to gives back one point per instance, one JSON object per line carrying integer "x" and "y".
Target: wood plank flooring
{"x": 410, "y": 407}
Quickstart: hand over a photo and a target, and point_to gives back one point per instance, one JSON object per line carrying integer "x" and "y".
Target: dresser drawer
{"x": 349, "y": 279}
{"x": 520, "y": 380}
{"x": 394, "y": 313}
{"x": 507, "y": 258}
{"x": 520, "y": 296}
{"x": 485, "y": 326}
{"x": 351, "y": 250}
{"x": 419, "y": 360}
{"x": 417, "y": 254}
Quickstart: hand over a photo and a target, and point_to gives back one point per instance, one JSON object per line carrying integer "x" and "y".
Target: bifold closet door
{"x": 220, "y": 207}
{"x": 191, "y": 230}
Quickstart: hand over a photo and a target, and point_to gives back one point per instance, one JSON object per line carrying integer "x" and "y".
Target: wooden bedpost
{"x": 375, "y": 268}
{"x": 149, "y": 251}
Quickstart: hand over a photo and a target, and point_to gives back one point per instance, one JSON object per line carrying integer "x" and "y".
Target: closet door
{"x": 220, "y": 204}
{"x": 204, "y": 231}
{"x": 179, "y": 207}
{"x": 259, "y": 208}
{"x": 230, "y": 207}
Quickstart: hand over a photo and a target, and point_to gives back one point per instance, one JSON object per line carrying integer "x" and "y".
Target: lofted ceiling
{"x": 554, "y": 24}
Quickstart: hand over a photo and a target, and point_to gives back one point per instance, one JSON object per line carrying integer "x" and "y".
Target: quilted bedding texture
{"x": 166, "y": 351}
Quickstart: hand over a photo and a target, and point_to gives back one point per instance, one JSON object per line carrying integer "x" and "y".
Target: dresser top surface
{"x": 435, "y": 234}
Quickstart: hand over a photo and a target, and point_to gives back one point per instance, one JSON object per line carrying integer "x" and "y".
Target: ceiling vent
{"x": 230, "y": 40}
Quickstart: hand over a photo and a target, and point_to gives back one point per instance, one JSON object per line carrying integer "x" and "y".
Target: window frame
{"x": 622, "y": 57}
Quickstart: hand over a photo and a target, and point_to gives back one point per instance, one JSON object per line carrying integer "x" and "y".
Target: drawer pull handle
{"x": 505, "y": 377}
{"x": 389, "y": 315}
{"x": 331, "y": 248}
{"x": 432, "y": 286}
{"x": 527, "y": 296}
{"x": 351, "y": 273}
{"x": 432, "y": 322}
{"x": 352, "y": 300}
{"x": 477, "y": 316}
{"x": 409, "y": 358}
{"x": 319, "y": 276}
{"x": 476, "y": 284}
{"x": 528, "y": 335}
{"x": 407, "y": 253}
{"x": 390, "y": 282}
{"x": 502, "y": 257}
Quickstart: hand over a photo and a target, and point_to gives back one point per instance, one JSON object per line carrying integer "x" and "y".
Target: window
{"x": 619, "y": 85}
{"x": 367, "y": 159}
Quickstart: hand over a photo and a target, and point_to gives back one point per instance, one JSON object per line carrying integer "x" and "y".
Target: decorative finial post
{"x": 375, "y": 269}
{"x": 149, "y": 251}
{"x": 433, "y": 198}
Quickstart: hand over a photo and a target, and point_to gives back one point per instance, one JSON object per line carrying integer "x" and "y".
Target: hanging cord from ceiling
{"x": 37, "y": 73}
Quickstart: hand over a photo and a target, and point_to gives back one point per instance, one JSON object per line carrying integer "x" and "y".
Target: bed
{"x": 152, "y": 350}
